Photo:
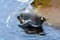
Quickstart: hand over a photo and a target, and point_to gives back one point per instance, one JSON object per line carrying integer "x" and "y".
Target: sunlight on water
{"x": 22, "y": 0}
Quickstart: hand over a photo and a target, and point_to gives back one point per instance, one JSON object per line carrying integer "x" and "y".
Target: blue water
{"x": 9, "y": 9}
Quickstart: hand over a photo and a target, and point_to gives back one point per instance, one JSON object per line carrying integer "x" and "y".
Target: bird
{"x": 31, "y": 23}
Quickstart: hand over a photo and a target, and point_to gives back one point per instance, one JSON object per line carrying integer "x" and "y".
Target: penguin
{"x": 31, "y": 23}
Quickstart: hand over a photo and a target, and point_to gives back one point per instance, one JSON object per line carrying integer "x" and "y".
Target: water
{"x": 9, "y": 9}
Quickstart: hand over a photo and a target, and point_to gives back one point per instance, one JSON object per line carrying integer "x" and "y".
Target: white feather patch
{"x": 41, "y": 18}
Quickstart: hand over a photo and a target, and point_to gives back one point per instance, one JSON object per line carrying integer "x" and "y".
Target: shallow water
{"x": 9, "y": 9}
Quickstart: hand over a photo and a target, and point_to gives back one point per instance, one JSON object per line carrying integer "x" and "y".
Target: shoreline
{"x": 54, "y": 26}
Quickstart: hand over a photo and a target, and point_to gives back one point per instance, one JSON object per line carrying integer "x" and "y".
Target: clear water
{"x": 9, "y": 9}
